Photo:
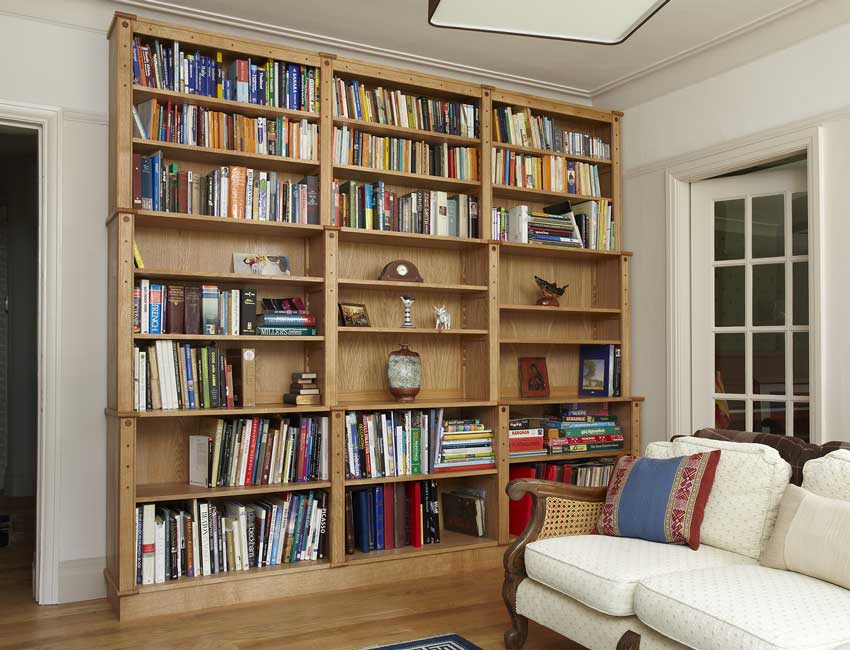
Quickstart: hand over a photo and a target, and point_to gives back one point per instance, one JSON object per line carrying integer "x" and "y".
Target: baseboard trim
{"x": 81, "y": 579}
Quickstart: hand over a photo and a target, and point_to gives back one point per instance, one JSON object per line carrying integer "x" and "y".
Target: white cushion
{"x": 829, "y": 476}
{"x": 746, "y": 607}
{"x": 602, "y": 572}
{"x": 581, "y": 624}
{"x": 744, "y": 500}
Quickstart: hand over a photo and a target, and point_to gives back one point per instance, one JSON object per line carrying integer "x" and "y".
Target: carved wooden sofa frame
{"x": 558, "y": 509}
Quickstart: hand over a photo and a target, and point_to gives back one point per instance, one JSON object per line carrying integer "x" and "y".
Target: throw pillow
{"x": 659, "y": 500}
{"x": 810, "y": 537}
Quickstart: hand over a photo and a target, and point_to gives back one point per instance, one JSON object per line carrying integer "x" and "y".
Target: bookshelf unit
{"x": 469, "y": 370}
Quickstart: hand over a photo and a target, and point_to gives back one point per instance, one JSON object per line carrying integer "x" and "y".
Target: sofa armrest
{"x": 558, "y": 509}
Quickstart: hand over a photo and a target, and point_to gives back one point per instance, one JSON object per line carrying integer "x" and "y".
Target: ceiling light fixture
{"x": 603, "y": 22}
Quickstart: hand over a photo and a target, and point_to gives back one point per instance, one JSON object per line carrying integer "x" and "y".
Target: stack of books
{"x": 371, "y": 206}
{"x": 595, "y": 222}
{"x": 286, "y": 317}
{"x": 202, "y": 538}
{"x": 550, "y": 227}
{"x": 229, "y": 191}
{"x": 463, "y": 444}
{"x": 525, "y": 437}
{"x": 259, "y": 451}
{"x": 304, "y": 389}
{"x": 581, "y": 428}
{"x": 384, "y": 517}
{"x": 387, "y": 443}
{"x": 164, "y": 64}
{"x": 356, "y": 101}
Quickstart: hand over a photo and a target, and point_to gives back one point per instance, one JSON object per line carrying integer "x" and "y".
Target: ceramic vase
{"x": 404, "y": 374}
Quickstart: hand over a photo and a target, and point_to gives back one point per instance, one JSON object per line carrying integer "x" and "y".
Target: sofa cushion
{"x": 602, "y": 572}
{"x": 829, "y": 476}
{"x": 795, "y": 450}
{"x": 658, "y": 499}
{"x": 750, "y": 607}
{"x": 748, "y": 485}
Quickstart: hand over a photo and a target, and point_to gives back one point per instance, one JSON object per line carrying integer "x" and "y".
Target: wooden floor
{"x": 469, "y": 605}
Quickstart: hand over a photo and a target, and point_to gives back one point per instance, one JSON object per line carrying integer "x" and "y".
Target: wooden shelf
{"x": 182, "y": 221}
{"x": 449, "y": 541}
{"x": 566, "y": 399}
{"x": 147, "y": 493}
{"x": 415, "y": 331}
{"x": 591, "y": 311}
{"x": 546, "y": 250}
{"x": 212, "y": 156}
{"x": 234, "y": 576}
{"x": 419, "y": 477}
{"x": 528, "y": 194}
{"x": 423, "y": 181}
{"x": 205, "y": 277}
{"x": 547, "y": 152}
{"x": 553, "y": 341}
{"x": 260, "y": 409}
{"x": 393, "y": 285}
{"x": 542, "y": 458}
{"x": 406, "y": 132}
{"x": 414, "y": 405}
{"x": 226, "y": 337}
{"x": 392, "y": 238}
{"x": 143, "y": 93}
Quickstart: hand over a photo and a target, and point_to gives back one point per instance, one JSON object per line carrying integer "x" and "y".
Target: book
{"x": 248, "y": 311}
{"x": 464, "y": 512}
{"x": 199, "y": 460}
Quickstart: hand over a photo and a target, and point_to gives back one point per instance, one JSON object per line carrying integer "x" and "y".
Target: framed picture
{"x": 354, "y": 315}
{"x": 596, "y": 364}
{"x": 533, "y": 377}
{"x": 260, "y": 264}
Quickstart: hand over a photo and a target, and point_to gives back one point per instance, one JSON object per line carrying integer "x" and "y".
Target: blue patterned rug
{"x": 445, "y": 642}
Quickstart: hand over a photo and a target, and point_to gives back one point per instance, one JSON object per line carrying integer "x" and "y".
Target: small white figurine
{"x": 444, "y": 318}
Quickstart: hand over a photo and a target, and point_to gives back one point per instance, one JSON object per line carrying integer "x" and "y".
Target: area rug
{"x": 445, "y": 642}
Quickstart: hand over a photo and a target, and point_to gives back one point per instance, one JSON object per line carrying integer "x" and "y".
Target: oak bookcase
{"x": 469, "y": 371}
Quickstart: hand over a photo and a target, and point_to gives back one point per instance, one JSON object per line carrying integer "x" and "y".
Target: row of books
{"x": 524, "y": 129}
{"x": 391, "y": 516}
{"x": 354, "y": 100}
{"x": 199, "y": 126}
{"x": 371, "y": 206}
{"x": 176, "y": 309}
{"x": 168, "y": 375}
{"x": 549, "y": 173}
{"x": 355, "y": 147}
{"x": 159, "y": 64}
{"x": 232, "y": 191}
{"x": 592, "y": 473}
{"x": 259, "y": 451}
{"x": 595, "y": 221}
{"x": 587, "y": 225}
{"x": 202, "y": 538}
{"x": 390, "y": 443}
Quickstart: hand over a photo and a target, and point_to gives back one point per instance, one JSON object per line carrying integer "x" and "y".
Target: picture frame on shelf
{"x": 354, "y": 314}
{"x": 533, "y": 377}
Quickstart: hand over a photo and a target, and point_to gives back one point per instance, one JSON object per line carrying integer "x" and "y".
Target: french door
{"x": 750, "y": 302}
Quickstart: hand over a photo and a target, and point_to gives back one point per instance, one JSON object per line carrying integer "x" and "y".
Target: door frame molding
{"x": 47, "y": 121}
{"x": 766, "y": 147}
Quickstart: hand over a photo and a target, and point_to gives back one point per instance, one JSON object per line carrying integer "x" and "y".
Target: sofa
{"x": 613, "y": 592}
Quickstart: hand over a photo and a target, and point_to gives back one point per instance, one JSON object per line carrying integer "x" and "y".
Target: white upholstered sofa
{"x": 603, "y": 591}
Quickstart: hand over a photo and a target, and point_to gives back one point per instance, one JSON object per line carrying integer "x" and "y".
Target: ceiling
{"x": 399, "y": 29}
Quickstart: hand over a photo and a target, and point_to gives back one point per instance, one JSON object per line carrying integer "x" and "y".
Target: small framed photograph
{"x": 354, "y": 315}
{"x": 254, "y": 264}
{"x": 533, "y": 377}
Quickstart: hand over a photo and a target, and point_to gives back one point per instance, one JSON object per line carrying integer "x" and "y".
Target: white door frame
{"x": 47, "y": 121}
{"x": 735, "y": 155}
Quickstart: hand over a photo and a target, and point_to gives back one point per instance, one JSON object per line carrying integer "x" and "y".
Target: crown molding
{"x": 753, "y": 25}
{"x": 355, "y": 48}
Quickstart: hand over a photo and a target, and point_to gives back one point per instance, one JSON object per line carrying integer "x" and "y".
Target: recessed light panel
{"x": 593, "y": 21}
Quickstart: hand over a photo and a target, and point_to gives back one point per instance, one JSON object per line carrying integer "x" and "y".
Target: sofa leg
{"x": 517, "y": 634}
{"x": 629, "y": 641}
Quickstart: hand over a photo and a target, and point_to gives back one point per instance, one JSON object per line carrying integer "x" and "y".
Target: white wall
{"x": 795, "y": 84}
{"x": 55, "y": 53}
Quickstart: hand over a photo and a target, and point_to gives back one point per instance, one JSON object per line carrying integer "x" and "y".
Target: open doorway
{"x": 19, "y": 296}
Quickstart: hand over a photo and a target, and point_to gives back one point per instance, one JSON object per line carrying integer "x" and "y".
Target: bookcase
{"x": 469, "y": 370}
